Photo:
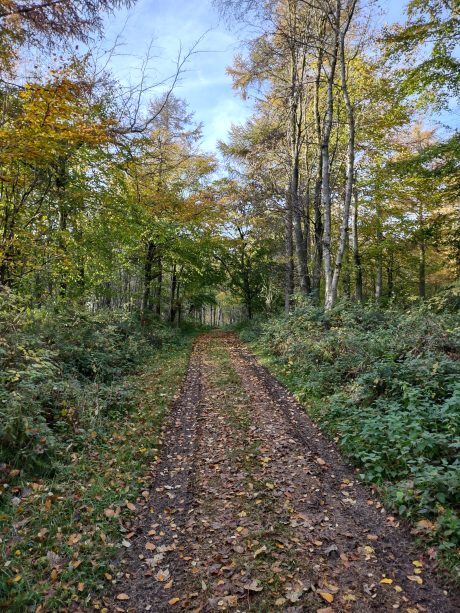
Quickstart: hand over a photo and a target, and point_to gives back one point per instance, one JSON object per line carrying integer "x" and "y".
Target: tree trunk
{"x": 148, "y": 276}
{"x": 295, "y": 136}
{"x": 289, "y": 265}
{"x": 379, "y": 260}
{"x": 318, "y": 218}
{"x": 422, "y": 269}
{"x": 379, "y": 270}
{"x": 159, "y": 286}
{"x": 325, "y": 164}
{"x": 390, "y": 275}
{"x": 358, "y": 273}
{"x": 332, "y": 284}
{"x": 172, "y": 299}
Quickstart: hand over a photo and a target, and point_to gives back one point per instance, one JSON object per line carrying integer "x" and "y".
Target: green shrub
{"x": 61, "y": 374}
{"x": 386, "y": 384}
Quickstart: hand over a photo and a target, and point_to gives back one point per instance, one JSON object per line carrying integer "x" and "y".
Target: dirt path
{"x": 252, "y": 509}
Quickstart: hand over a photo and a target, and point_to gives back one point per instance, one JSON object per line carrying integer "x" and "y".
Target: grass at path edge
{"x": 61, "y": 536}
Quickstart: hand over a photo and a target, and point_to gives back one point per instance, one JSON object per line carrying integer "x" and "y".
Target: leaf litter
{"x": 252, "y": 509}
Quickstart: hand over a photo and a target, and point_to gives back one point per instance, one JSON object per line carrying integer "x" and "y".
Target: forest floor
{"x": 251, "y": 508}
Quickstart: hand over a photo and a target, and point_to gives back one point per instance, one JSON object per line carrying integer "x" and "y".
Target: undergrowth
{"x": 82, "y": 398}
{"x": 386, "y": 385}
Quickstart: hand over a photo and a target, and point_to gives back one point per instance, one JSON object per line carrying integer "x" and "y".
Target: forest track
{"x": 251, "y": 508}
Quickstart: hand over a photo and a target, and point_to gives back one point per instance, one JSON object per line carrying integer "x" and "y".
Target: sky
{"x": 174, "y": 24}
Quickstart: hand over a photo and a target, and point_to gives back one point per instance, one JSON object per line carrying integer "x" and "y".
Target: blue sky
{"x": 205, "y": 85}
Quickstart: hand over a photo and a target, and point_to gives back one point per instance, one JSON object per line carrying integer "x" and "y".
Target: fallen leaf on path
{"x": 253, "y": 586}
{"x": 162, "y": 575}
{"x": 426, "y": 523}
{"x": 320, "y": 461}
{"x": 326, "y": 596}
{"x": 173, "y": 600}
{"x": 293, "y": 596}
{"x": 150, "y": 546}
{"x": 73, "y": 539}
{"x": 280, "y": 602}
{"x": 122, "y": 597}
{"x": 415, "y": 579}
{"x": 386, "y": 581}
{"x": 230, "y": 601}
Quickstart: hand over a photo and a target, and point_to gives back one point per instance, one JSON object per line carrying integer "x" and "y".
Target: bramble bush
{"x": 61, "y": 374}
{"x": 386, "y": 385}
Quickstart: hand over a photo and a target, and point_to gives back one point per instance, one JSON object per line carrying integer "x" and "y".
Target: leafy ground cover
{"x": 85, "y": 395}
{"x": 386, "y": 386}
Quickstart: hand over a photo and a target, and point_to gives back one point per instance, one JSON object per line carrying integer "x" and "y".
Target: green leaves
{"x": 384, "y": 384}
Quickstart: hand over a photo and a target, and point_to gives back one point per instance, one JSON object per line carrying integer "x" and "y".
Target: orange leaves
{"x": 74, "y": 539}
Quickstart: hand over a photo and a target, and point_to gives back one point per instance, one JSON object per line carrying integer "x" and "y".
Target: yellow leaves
{"x": 259, "y": 551}
{"x": 173, "y": 601}
{"x": 122, "y": 597}
{"x": 415, "y": 579}
{"x": 53, "y": 117}
{"x": 417, "y": 564}
{"x": 327, "y": 597}
{"x": 386, "y": 581}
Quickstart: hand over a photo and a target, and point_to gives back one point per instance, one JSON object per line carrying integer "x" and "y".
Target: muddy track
{"x": 252, "y": 509}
